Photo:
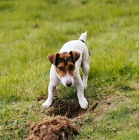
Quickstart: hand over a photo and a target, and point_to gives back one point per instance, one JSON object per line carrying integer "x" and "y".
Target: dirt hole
{"x": 61, "y": 126}
{"x": 66, "y": 108}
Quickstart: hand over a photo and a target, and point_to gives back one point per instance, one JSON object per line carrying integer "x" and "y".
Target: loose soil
{"x": 68, "y": 108}
{"x": 58, "y": 128}
{"x": 61, "y": 126}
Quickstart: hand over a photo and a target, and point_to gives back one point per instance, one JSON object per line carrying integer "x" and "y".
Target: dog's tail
{"x": 83, "y": 37}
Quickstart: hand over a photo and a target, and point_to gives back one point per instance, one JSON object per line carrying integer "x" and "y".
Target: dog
{"x": 65, "y": 69}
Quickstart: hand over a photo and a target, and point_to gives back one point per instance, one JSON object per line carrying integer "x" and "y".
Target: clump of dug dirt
{"x": 58, "y": 128}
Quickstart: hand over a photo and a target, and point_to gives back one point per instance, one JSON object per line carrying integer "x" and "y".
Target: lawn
{"x": 32, "y": 29}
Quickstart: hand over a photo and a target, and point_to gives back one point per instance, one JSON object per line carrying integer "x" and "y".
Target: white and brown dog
{"x": 65, "y": 69}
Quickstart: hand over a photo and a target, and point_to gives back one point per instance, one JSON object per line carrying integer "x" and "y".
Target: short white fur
{"x": 83, "y": 62}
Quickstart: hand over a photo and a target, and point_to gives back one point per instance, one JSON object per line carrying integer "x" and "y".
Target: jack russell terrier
{"x": 65, "y": 69}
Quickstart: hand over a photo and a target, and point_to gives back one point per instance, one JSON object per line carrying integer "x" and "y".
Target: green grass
{"x": 32, "y": 29}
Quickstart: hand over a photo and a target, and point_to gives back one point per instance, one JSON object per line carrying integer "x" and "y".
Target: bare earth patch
{"x": 57, "y": 128}
{"x": 68, "y": 108}
{"x": 62, "y": 125}
{"x": 65, "y": 113}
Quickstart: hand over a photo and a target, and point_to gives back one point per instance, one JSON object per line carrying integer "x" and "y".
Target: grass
{"x": 30, "y": 30}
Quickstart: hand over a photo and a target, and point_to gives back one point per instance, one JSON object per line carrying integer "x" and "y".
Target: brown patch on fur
{"x": 63, "y": 68}
{"x": 66, "y": 63}
{"x": 52, "y": 57}
{"x": 65, "y": 60}
{"x": 58, "y": 128}
{"x": 75, "y": 55}
{"x": 64, "y": 55}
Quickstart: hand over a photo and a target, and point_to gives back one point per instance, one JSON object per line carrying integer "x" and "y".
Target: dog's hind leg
{"x": 85, "y": 67}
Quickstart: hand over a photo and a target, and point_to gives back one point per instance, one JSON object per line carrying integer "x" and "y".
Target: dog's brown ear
{"x": 75, "y": 55}
{"x": 53, "y": 57}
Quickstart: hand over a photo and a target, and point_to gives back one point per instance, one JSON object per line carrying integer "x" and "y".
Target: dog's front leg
{"x": 82, "y": 100}
{"x": 51, "y": 90}
{"x": 80, "y": 92}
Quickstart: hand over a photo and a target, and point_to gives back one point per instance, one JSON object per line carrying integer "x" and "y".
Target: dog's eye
{"x": 61, "y": 68}
{"x": 71, "y": 67}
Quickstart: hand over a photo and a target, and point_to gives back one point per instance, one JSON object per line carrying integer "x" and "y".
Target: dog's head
{"x": 65, "y": 65}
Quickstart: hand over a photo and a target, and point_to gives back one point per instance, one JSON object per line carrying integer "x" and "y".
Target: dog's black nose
{"x": 68, "y": 84}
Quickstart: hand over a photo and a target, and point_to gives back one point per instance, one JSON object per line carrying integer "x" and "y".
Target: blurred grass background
{"x": 30, "y": 30}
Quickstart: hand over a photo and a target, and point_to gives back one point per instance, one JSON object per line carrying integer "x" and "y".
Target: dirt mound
{"x": 58, "y": 128}
{"x": 66, "y": 108}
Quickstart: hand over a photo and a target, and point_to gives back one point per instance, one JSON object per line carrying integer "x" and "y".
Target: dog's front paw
{"x": 83, "y": 103}
{"x": 47, "y": 103}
